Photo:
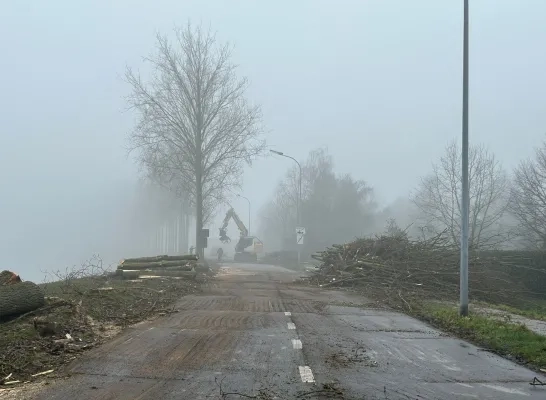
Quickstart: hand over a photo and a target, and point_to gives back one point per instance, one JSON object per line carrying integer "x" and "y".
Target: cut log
{"x": 20, "y": 298}
{"x": 130, "y": 274}
{"x": 185, "y": 274}
{"x": 157, "y": 264}
{"x": 9, "y": 278}
{"x": 185, "y": 257}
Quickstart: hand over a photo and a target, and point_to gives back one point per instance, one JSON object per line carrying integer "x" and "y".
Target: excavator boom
{"x": 244, "y": 241}
{"x": 242, "y": 228}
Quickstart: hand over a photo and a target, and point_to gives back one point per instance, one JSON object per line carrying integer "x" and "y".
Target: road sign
{"x": 203, "y": 238}
{"x": 300, "y": 233}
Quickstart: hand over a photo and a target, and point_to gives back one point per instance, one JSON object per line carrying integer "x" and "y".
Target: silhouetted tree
{"x": 334, "y": 208}
{"x": 528, "y": 199}
{"x": 195, "y": 128}
{"x": 438, "y": 197}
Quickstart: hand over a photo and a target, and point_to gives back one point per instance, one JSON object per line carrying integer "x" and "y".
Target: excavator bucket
{"x": 224, "y": 238}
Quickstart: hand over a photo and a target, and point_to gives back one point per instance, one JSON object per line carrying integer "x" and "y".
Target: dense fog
{"x": 366, "y": 96}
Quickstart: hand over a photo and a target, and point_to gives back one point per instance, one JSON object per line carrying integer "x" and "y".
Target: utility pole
{"x": 298, "y": 205}
{"x": 463, "y": 307}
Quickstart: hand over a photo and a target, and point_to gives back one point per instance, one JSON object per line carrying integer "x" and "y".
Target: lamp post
{"x": 243, "y": 197}
{"x": 298, "y": 203}
{"x": 463, "y": 306}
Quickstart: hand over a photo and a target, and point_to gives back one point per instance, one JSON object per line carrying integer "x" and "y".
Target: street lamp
{"x": 463, "y": 306}
{"x": 298, "y": 204}
{"x": 243, "y": 197}
{"x": 280, "y": 153}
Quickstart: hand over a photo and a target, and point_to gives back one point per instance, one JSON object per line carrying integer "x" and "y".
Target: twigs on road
{"x": 537, "y": 382}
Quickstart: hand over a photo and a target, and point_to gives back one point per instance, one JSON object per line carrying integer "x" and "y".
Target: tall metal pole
{"x": 299, "y": 199}
{"x": 298, "y": 202}
{"x": 463, "y": 307}
{"x": 299, "y": 210}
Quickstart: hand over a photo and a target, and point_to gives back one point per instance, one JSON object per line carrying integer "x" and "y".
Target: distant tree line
{"x": 507, "y": 210}
{"x": 334, "y": 207}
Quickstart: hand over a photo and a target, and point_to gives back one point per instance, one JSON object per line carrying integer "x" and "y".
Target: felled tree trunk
{"x": 182, "y": 265}
{"x": 20, "y": 298}
{"x": 9, "y": 278}
{"x": 184, "y": 257}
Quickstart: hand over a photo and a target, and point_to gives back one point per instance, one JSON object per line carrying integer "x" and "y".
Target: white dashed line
{"x": 296, "y": 344}
{"x": 306, "y": 374}
{"x": 287, "y": 313}
{"x": 291, "y": 325}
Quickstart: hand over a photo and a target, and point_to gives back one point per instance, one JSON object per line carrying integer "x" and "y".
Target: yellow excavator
{"x": 248, "y": 247}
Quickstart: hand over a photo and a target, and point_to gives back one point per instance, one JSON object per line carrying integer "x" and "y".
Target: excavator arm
{"x": 231, "y": 214}
{"x": 244, "y": 241}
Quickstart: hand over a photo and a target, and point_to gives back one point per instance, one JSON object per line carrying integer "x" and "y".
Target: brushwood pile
{"x": 403, "y": 271}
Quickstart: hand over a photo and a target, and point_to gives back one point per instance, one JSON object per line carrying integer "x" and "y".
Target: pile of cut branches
{"x": 403, "y": 272}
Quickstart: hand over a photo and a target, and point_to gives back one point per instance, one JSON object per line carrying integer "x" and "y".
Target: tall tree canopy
{"x": 195, "y": 128}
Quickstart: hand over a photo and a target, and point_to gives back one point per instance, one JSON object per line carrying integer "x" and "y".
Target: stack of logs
{"x": 181, "y": 266}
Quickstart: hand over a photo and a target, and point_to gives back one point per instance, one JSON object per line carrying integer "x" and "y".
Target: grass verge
{"x": 537, "y": 312}
{"x": 514, "y": 341}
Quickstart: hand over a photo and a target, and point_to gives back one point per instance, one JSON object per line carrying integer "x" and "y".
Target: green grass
{"x": 535, "y": 312}
{"x": 502, "y": 337}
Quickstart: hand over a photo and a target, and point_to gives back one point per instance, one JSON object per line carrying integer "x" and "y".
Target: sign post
{"x": 300, "y": 233}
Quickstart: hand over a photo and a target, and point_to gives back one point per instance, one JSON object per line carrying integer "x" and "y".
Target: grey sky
{"x": 378, "y": 82}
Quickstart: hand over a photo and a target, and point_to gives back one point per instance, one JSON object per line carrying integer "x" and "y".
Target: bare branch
{"x": 438, "y": 197}
{"x": 528, "y": 199}
{"x": 195, "y": 129}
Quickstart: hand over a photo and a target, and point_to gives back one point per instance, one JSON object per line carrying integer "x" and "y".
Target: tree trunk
{"x": 186, "y": 232}
{"x": 199, "y": 174}
{"x": 199, "y": 217}
{"x": 20, "y": 298}
{"x": 199, "y": 202}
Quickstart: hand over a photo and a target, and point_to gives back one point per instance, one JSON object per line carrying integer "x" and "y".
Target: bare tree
{"x": 528, "y": 199}
{"x": 334, "y": 208}
{"x": 438, "y": 197}
{"x": 195, "y": 128}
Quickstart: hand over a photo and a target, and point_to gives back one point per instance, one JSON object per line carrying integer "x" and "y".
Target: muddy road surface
{"x": 252, "y": 333}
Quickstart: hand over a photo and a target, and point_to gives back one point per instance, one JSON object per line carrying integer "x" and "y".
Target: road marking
{"x": 296, "y": 344}
{"x": 287, "y": 313}
{"x": 291, "y": 325}
{"x": 306, "y": 374}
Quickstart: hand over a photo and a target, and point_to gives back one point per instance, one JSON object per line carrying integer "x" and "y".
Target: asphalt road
{"x": 254, "y": 333}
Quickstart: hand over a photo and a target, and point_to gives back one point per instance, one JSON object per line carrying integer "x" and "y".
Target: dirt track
{"x": 252, "y": 332}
